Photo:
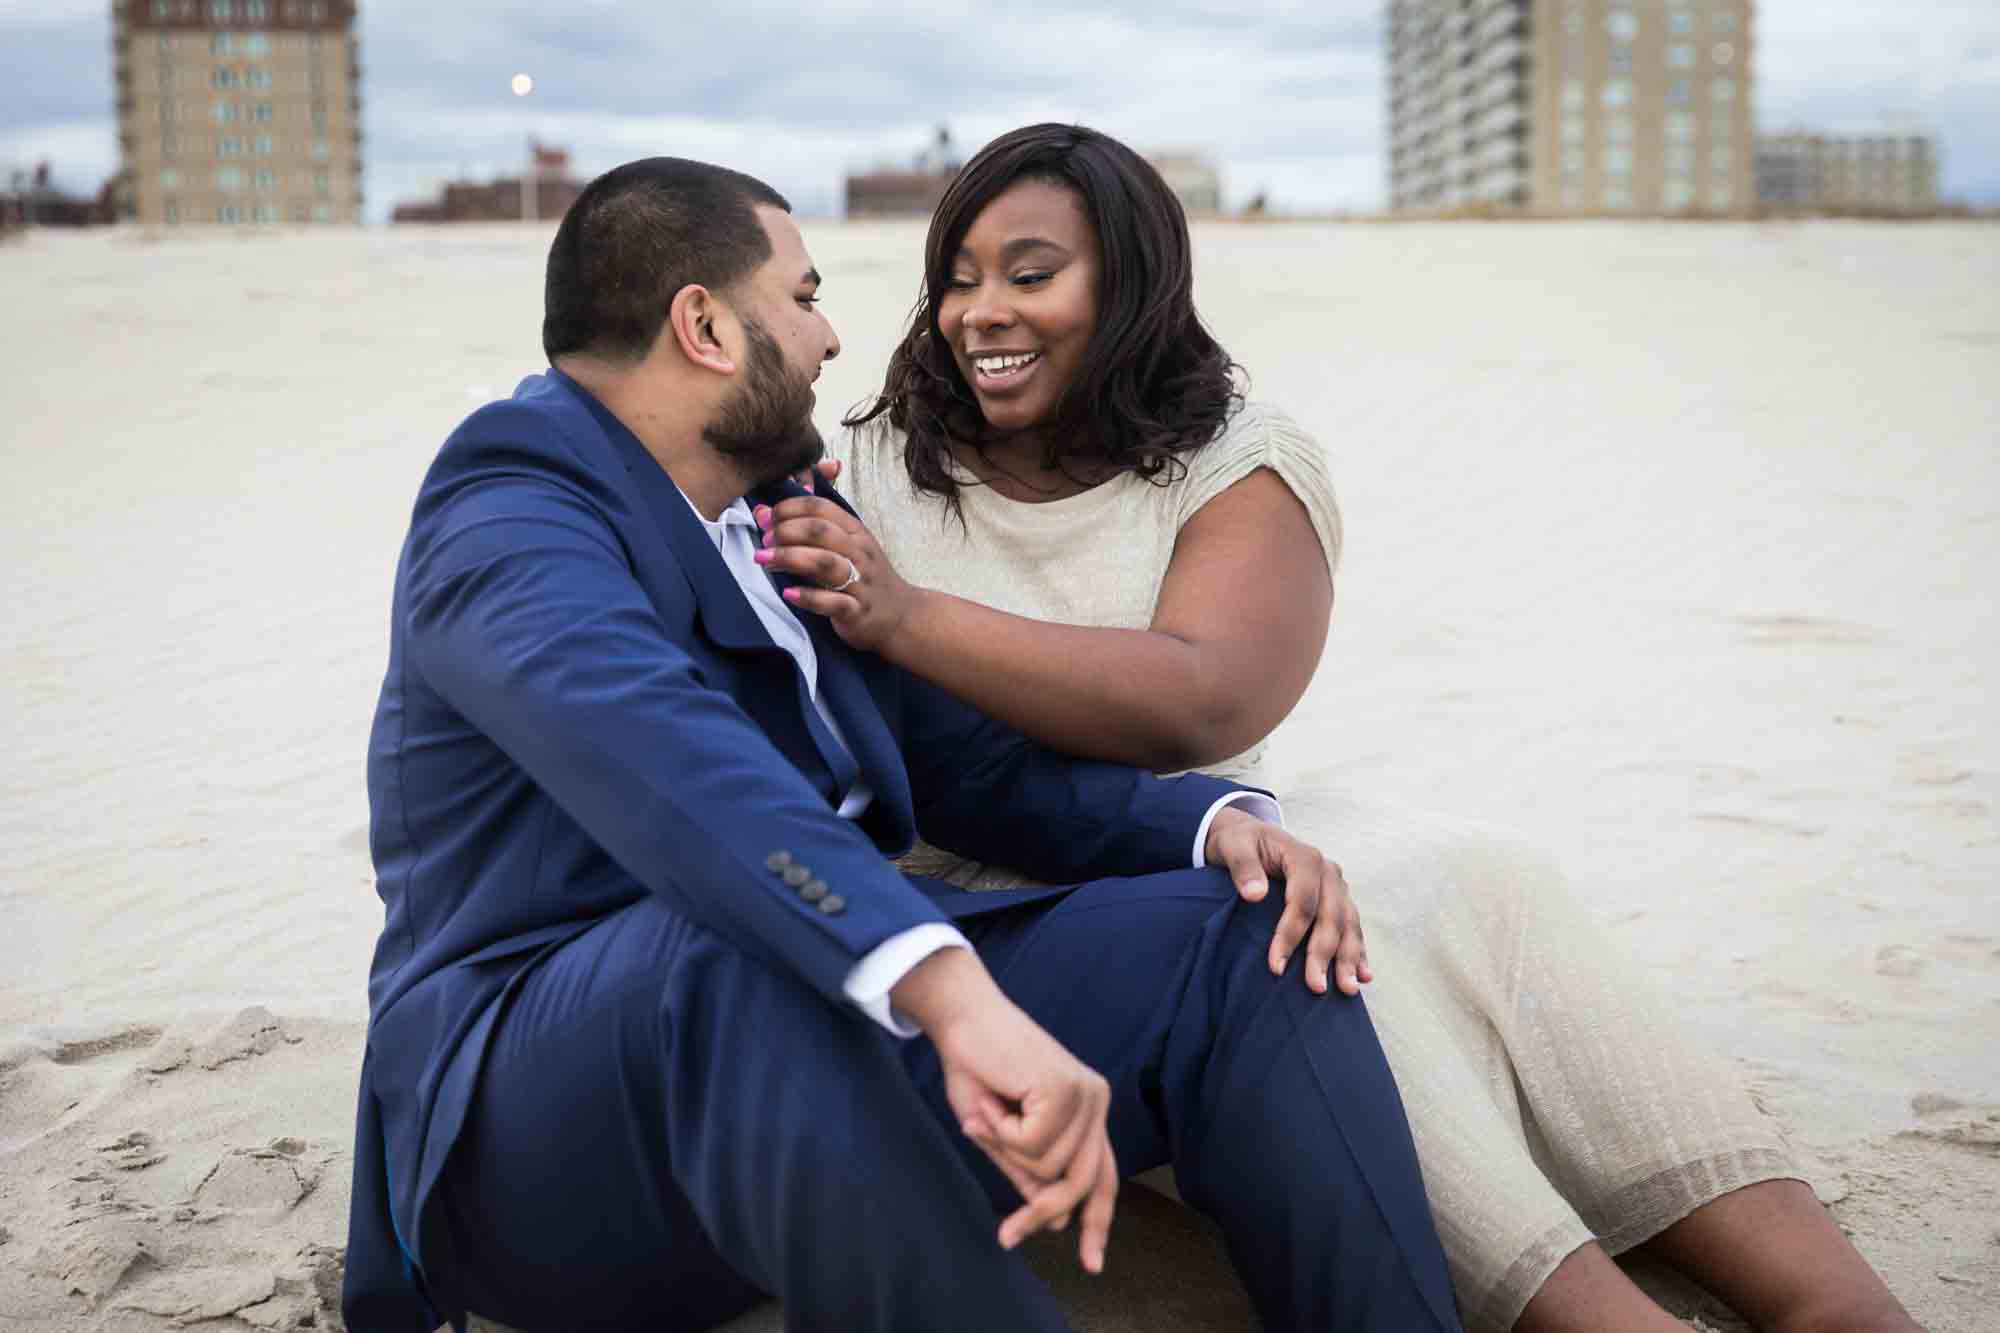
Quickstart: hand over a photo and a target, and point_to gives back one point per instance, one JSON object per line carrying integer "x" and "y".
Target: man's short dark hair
{"x": 636, "y": 236}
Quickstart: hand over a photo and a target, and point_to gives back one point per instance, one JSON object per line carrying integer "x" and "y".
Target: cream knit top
{"x": 1097, "y": 558}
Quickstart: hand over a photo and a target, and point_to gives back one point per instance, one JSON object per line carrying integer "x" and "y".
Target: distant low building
{"x": 1193, "y": 179}
{"x": 896, "y": 194}
{"x": 900, "y": 192}
{"x": 505, "y": 199}
{"x": 31, "y": 199}
{"x": 1862, "y": 173}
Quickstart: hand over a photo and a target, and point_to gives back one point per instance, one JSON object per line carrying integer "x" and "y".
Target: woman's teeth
{"x": 996, "y": 367}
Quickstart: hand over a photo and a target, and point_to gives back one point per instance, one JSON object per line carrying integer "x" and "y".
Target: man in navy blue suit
{"x": 657, "y": 1028}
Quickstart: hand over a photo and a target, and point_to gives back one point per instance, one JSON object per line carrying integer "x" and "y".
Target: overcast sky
{"x": 1285, "y": 95}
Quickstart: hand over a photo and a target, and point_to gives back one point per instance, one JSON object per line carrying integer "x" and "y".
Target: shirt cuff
{"x": 869, "y": 982}
{"x": 1253, "y": 803}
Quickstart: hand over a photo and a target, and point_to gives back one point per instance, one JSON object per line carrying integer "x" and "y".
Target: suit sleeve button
{"x": 833, "y": 904}
{"x": 796, "y": 874}
{"x": 813, "y": 890}
{"x": 777, "y": 861}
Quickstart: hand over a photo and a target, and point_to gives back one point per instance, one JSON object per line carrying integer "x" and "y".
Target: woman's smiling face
{"x": 1021, "y": 304}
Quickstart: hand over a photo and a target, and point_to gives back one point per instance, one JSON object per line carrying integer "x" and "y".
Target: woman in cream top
{"x": 1029, "y": 482}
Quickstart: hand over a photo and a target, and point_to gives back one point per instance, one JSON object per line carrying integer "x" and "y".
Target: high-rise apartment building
{"x": 1862, "y": 173}
{"x": 239, "y": 111}
{"x": 1570, "y": 107}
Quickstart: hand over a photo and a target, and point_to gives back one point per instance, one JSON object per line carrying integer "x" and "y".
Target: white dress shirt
{"x": 868, "y": 983}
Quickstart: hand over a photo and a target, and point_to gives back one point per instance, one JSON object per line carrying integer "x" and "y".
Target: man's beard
{"x": 767, "y": 430}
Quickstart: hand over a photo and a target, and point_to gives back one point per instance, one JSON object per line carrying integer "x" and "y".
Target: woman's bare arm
{"x": 1235, "y": 639}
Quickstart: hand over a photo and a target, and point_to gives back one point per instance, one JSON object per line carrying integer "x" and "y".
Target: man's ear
{"x": 696, "y": 318}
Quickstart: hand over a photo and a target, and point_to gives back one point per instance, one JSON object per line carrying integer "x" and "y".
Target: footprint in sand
{"x": 1790, "y": 629}
{"x": 45, "y": 1083}
{"x": 274, "y": 1179}
{"x": 1899, "y": 960}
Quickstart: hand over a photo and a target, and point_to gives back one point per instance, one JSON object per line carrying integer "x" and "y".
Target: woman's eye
{"x": 1031, "y": 279}
{"x": 959, "y": 284}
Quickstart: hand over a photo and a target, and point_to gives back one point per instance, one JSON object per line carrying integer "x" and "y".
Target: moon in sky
{"x": 523, "y": 85}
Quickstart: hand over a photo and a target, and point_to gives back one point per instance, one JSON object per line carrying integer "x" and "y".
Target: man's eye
{"x": 809, "y": 301}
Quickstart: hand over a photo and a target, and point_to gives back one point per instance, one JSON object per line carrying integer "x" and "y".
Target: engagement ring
{"x": 853, "y": 577}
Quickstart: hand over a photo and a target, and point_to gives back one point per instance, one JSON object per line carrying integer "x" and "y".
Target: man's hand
{"x": 1316, "y": 897}
{"x": 1029, "y": 1104}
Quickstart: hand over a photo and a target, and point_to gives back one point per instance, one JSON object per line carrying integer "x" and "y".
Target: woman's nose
{"x": 982, "y": 314}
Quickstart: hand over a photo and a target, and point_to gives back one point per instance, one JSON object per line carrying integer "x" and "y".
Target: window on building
{"x": 170, "y": 179}
{"x": 228, "y": 147}
{"x": 1679, "y": 126}
{"x": 322, "y": 212}
{"x": 1677, "y": 194}
{"x": 1725, "y": 21}
{"x": 1617, "y": 161}
{"x": 1621, "y": 59}
{"x": 218, "y": 45}
{"x": 229, "y": 178}
{"x": 257, "y": 78}
{"x": 1680, "y": 56}
{"x": 263, "y": 110}
{"x": 1618, "y": 129}
{"x": 1720, "y": 196}
{"x": 160, "y": 11}
{"x": 1573, "y": 162}
{"x": 1573, "y": 22}
{"x": 319, "y": 149}
{"x": 1622, "y": 24}
{"x": 1573, "y": 93}
{"x": 222, "y": 78}
{"x": 1680, "y": 159}
{"x": 1617, "y": 196}
{"x": 266, "y": 179}
{"x": 173, "y": 211}
{"x": 315, "y": 12}
{"x": 1678, "y": 92}
{"x": 1617, "y": 92}
{"x": 257, "y": 44}
{"x": 1723, "y": 53}
{"x": 225, "y": 112}
{"x": 256, "y": 11}
{"x": 1723, "y": 90}
{"x": 1572, "y": 129}
{"x": 229, "y": 213}
{"x": 263, "y": 145}
{"x": 1680, "y": 22}
{"x": 222, "y": 11}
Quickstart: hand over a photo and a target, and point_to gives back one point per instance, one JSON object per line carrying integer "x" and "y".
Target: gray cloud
{"x": 1285, "y": 95}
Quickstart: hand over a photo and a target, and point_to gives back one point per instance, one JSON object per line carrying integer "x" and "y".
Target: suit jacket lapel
{"x": 725, "y": 613}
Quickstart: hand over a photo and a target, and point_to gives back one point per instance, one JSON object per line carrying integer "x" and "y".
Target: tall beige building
{"x": 1570, "y": 107}
{"x": 239, "y": 111}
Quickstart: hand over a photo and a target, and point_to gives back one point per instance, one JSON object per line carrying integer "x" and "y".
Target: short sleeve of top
{"x": 1258, "y": 436}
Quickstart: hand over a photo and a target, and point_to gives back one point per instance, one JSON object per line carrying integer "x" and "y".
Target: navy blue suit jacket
{"x": 581, "y": 709}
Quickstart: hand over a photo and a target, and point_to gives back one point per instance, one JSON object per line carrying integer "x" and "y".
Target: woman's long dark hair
{"x": 1154, "y": 383}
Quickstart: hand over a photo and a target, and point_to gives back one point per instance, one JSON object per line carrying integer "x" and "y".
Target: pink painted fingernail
{"x": 792, "y": 594}
{"x": 762, "y": 513}
{"x": 770, "y": 537}
{"x": 764, "y": 557}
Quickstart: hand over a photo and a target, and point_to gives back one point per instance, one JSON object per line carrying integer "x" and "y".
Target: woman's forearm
{"x": 1128, "y": 696}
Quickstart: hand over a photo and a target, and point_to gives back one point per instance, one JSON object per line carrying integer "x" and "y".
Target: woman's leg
{"x": 1775, "y": 1255}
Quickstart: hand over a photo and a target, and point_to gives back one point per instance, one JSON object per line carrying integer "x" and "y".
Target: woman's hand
{"x": 827, "y": 469}
{"x": 859, "y": 590}
{"x": 1316, "y": 899}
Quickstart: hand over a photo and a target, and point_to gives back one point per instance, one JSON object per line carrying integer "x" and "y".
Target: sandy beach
{"x": 1673, "y": 547}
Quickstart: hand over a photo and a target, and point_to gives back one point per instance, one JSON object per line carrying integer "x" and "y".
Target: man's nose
{"x": 832, "y": 344}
